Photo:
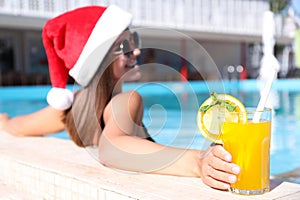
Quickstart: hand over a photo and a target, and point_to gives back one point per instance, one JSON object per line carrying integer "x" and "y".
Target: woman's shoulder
{"x": 132, "y": 96}
{"x": 131, "y": 100}
{"x": 123, "y": 102}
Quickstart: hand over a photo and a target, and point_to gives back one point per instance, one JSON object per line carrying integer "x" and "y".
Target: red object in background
{"x": 184, "y": 73}
{"x": 183, "y": 70}
{"x": 243, "y": 74}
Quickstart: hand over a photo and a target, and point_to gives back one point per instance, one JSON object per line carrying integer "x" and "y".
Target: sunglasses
{"x": 128, "y": 46}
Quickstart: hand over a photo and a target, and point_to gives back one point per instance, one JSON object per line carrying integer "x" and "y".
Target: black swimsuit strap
{"x": 147, "y": 134}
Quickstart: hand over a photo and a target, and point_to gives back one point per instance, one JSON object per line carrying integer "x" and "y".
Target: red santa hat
{"x": 76, "y": 42}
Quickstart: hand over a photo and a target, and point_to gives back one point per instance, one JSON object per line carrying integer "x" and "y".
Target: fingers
{"x": 214, "y": 183}
{"x": 221, "y": 165}
{"x": 217, "y": 170}
{"x": 221, "y": 153}
{"x": 3, "y": 119}
{"x": 221, "y": 160}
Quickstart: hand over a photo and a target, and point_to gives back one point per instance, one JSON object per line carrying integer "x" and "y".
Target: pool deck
{"x": 51, "y": 168}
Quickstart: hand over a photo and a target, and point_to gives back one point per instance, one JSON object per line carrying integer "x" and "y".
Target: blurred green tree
{"x": 278, "y": 5}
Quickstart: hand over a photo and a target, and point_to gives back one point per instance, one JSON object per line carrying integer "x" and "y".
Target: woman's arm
{"x": 119, "y": 147}
{"x": 45, "y": 121}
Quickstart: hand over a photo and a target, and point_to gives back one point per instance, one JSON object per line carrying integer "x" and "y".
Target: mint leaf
{"x": 205, "y": 108}
{"x": 222, "y": 103}
{"x": 216, "y": 101}
{"x": 229, "y": 107}
{"x": 214, "y": 96}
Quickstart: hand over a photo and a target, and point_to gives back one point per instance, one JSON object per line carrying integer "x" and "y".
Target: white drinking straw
{"x": 264, "y": 97}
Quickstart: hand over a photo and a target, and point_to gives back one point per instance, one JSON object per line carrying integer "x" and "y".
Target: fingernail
{"x": 236, "y": 169}
{"x": 232, "y": 179}
{"x": 228, "y": 158}
{"x": 226, "y": 186}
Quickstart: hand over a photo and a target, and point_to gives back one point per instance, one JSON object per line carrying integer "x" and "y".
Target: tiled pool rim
{"x": 51, "y": 168}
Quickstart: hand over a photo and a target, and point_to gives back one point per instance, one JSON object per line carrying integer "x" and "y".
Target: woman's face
{"x": 126, "y": 50}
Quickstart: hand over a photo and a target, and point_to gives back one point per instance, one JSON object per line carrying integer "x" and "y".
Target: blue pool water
{"x": 171, "y": 109}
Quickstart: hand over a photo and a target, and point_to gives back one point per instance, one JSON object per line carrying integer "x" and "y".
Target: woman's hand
{"x": 3, "y": 120}
{"x": 216, "y": 168}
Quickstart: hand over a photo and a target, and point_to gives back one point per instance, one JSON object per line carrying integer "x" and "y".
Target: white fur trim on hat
{"x": 60, "y": 98}
{"x": 109, "y": 26}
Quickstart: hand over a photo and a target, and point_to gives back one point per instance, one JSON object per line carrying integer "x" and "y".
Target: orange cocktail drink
{"x": 245, "y": 133}
{"x": 249, "y": 144}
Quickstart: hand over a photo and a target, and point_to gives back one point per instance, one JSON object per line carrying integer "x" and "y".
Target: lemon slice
{"x": 217, "y": 109}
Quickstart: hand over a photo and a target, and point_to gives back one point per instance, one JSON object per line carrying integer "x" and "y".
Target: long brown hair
{"x": 83, "y": 121}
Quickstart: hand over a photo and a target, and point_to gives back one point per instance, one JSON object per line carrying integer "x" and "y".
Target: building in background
{"x": 230, "y": 31}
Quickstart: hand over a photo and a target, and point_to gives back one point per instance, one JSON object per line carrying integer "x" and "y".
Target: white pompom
{"x": 60, "y": 98}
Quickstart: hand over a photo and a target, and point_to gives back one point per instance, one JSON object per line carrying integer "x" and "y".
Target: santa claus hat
{"x": 76, "y": 43}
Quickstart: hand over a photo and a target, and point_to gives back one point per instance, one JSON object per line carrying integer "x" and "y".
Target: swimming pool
{"x": 171, "y": 109}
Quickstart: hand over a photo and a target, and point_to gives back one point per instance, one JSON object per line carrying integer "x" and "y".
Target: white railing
{"x": 223, "y": 16}
{"x": 40, "y": 8}
{"x": 228, "y": 16}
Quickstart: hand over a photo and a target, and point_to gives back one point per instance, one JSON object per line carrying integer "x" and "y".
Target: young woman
{"x": 102, "y": 115}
